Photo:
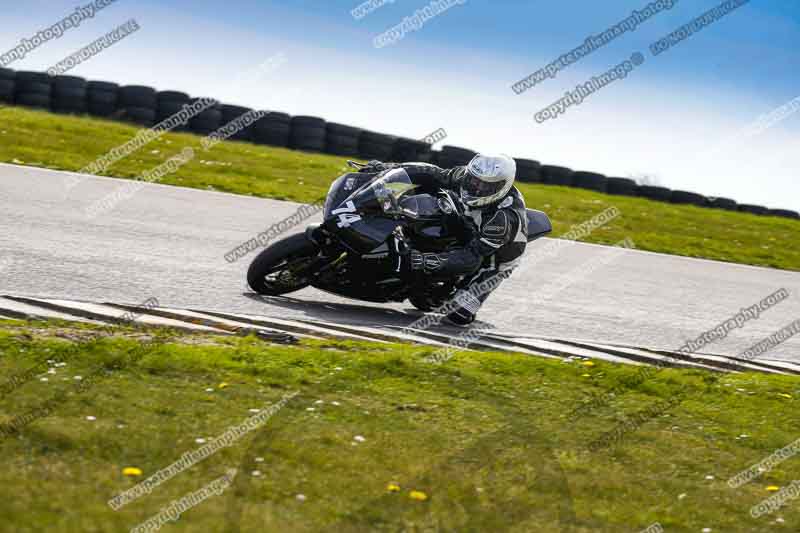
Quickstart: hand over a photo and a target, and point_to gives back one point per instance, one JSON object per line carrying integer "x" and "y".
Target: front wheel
{"x": 280, "y": 269}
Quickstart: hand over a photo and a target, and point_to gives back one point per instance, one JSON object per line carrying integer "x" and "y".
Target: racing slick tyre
{"x": 273, "y": 271}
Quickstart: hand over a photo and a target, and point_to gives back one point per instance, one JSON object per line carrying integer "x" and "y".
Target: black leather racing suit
{"x": 496, "y": 241}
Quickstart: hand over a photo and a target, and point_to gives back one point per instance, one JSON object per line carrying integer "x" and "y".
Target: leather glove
{"x": 377, "y": 166}
{"x": 426, "y": 262}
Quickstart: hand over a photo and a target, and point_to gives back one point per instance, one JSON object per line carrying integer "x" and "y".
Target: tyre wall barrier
{"x": 33, "y": 89}
{"x": 145, "y": 106}
{"x": 555, "y": 175}
{"x": 101, "y": 98}
{"x": 529, "y": 171}
{"x": 70, "y": 95}
{"x": 8, "y": 85}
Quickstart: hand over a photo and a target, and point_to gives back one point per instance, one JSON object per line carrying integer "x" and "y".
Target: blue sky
{"x": 676, "y": 118}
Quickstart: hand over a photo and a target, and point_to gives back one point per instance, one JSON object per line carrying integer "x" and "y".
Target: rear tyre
{"x": 274, "y": 271}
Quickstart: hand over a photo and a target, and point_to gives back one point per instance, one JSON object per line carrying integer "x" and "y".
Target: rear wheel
{"x": 280, "y": 268}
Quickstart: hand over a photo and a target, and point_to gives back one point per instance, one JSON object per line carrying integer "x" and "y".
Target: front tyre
{"x": 280, "y": 269}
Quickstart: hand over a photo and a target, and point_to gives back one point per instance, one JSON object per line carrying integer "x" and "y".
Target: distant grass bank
{"x": 485, "y": 441}
{"x": 70, "y": 143}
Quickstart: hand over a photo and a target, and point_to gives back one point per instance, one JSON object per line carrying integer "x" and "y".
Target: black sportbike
{"x": 368, "y": 224}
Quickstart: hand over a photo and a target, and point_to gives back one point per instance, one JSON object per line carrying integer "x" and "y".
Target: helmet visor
{"x": 474, "y": 187}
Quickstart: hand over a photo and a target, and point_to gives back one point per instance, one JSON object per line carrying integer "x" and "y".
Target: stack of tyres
{"x": 7, "y": 85}
{"x": 231, "y": 113}
{"x": 373, "y": 145}
{"x": 138, "y": 104}
{"x": 654, "y": 192}
{"x": 621, "y": 186}
{"x": 273, "y": 129}
{"x": 686, "y": 197}
{"x": 453, "y": 156}
{"x": 785, "y": 213}
{"x": 409, "y": 150}
{"x": 70, "y": 95}
{"x": 754, "y": 209}
{"x": 207, "y": 121}
{"x": 342, "y": 139}
{"x": 528, "y": 171}
{"x": 171, "y": 103}
{"x": 723, "y": 203}
{"x": 102, "y": 98}
{"x": 33, "y": 89}
{"x": 307, "y": 133}
{"x": 555, "y": 175}
{"x": 590, "y": 180}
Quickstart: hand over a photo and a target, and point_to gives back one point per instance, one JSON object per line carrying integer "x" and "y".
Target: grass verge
{"x": 69, "y": 143}
{"x": 485, "y": 437}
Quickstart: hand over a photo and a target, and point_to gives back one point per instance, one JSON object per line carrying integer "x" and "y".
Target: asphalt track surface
{"x": 169, "y": 243}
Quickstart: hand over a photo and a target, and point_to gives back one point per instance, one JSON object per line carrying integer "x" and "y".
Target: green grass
{"x": 70, "y": 143}
{"x": 485, "y": 436}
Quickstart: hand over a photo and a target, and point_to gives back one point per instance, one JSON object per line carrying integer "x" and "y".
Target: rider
{"x": 493, "y": 210}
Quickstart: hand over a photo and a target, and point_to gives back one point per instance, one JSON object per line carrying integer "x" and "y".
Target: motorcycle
{"x": 368, "y": 223}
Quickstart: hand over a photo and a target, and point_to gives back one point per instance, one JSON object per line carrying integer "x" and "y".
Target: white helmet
{"x": 487, "y": 179}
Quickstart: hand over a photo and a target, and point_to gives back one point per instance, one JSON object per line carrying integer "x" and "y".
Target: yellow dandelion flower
{"x": 393, "y": 487}
{"x": 773, "y": 488}
{"x": 588, "y": 363}
{"x": 222, "y": 385}
{"x": 131, "y": 471}
{"x": 418, "y": 495}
